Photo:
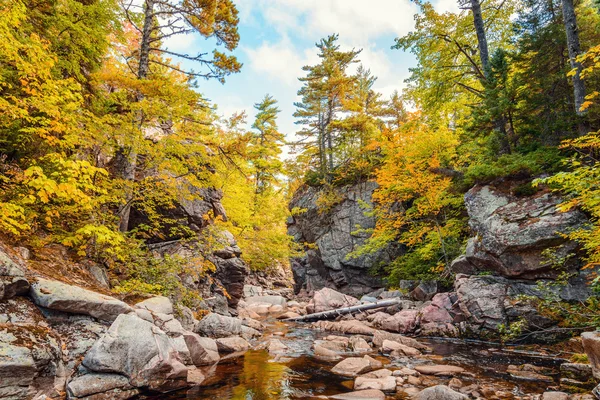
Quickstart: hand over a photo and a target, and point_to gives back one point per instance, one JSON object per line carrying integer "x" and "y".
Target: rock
{"x": 158, "y": 304}
{"x": 424, "y": 291}
{"x": 380, "y": 336}
{"x": 276, "y": 346}
{"x": 576, "y": 371}
{"x": 352, "y": 327}
{"x": 405, "y": 321}
{"x": 512, "y": 232}
{"x": 140, "y": 351}
{"x": 271, "y": 300}
{"x": 488, "y": 301}
{"x": 325, "y": 353}
{"x": 329, "y": 299}
{"x": 354, "y": 366}
{"x": 334, "y": 345}
{"x": 232, "y": 344}
{"x": 73, "y": 299}
{"x": 110, "y": 386}
{"x": 371, "y": 394}
{"x": 220, "y": 326}
{"x": 231, "y": 273}
{"x": 359, "y": 345}
{"x": 405, "y": 372}
{"x": 333, "y": 232}
{"x": 30, "y": 362}
{"x": 555, "y": 396}
{"x": 439, "y": 392}
{"x": 398, "y": 350}
{"x": 439, "y": 370}
{"x": 529, "y": 376}
{"x": 289, "y": 315}
{"x": 385, "y": 384}
{"x": 455, "y": 383}
{"x": 12, "y": 278}
{"x": 591, "y": 345}
{"x": 195, "y": 377}
{"x": 203, "y": 351}
{"x": 251, "y": 290}
{"x": 379, "y": 373}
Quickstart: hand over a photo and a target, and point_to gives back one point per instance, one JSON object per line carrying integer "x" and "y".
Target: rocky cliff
{"x": 331, "y": 235}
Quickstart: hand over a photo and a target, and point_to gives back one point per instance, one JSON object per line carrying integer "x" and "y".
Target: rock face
{"x": 140, "y": 351}
{"x": 511, "y": 233}
{"x": 12, "y": 278}
{"x": 334, "y": 232}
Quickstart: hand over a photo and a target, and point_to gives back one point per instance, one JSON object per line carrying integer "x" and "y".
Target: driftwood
{"x": 343, "y": 311}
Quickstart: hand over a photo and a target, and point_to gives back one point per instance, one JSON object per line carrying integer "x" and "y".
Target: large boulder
{"x": 486, "y": 302}
{"x": 405, "y": 321}
{"x": 203, "y": 351}
{"x": 328, "y": 299}
{"x": 59, "y": 296}
{"x": 157, "y": 304}
{"x": 354, "y": 366}
{"x": 332, "y": 229}
{"x": 512, "y": 233}
{"x": 140, "y": 351}
{"x": 220, "y": 326}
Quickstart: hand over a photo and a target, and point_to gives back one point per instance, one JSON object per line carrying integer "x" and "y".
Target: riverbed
{"x": 298, "y": 374}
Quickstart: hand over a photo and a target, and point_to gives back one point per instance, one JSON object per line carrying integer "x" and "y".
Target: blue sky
{"x": 278, "y": 37}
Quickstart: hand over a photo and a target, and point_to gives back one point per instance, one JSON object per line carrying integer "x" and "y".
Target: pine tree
{"x": 325, "y": 92}
{"x": 265, "y": 146}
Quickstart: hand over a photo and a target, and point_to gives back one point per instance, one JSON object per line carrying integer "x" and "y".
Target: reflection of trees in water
{"x": 261, "y": 379}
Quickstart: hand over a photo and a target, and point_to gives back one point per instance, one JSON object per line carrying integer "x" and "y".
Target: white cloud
{"x": 355, "y": 20}
{"x": 280, "y": 61}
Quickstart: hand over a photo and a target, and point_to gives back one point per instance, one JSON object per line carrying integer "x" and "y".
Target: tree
{"x": 265, "y": 147}
{"x": 574, "y": 48}
{"x": 324, "y": 93}
{"x": 162, "y": 19}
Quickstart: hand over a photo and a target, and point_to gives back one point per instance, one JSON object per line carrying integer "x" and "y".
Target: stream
{"x": 297, "y": 374}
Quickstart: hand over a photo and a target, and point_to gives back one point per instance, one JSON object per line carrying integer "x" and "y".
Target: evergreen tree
{"x": 324, "y": 93}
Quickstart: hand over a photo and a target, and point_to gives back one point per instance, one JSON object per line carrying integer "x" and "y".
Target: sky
{"x": 277, "y": 38}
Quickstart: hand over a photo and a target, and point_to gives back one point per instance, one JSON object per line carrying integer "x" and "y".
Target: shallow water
{"x": 257, "y": 375}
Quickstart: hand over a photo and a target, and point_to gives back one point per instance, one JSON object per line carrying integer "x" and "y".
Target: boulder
{"x": 329, "y": 299}
{"x": 289, "y": 315}
{"x": 354, "y": 366}
{"x": 325, "y": 353}
{"x": 385, "y": 384}
{"x": 512, "y": 232}
{"x": 251, "y": 291}
{"x": 398, "y": 349}
{"x": 140, "y": 351}
{"x": 359, "y": 345}
{"x": 424, "y": 291}
{"x": 439, "y": 392}
{"x": 158, "y": 304}
{"x": 488, "y": 301}
{"x": 220, "y": 326}
{"x": 100, "y": 386}
{"x": 203, "y": 351}
{"x": 555, "y": 396}
{"x": 234, "y": 344}
{"x": 73, "y": 299}
{"x": 370, "y": 394}
{"x": 405, "y": 321}
{"x": 439, "y": 370}
{"x": 352, "y": 327}
{"x": 380, "y": 336}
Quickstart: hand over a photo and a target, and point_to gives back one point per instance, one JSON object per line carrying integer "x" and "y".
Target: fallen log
{"x": 329, "y": 314}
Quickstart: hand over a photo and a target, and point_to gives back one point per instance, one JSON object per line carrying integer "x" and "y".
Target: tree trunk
{"x": 574, "y": 48}
{"x": 481, "y": 38}
{"x": 145, "y": 42}
{"x": 345, "y": 310}
{"x": 128, "y": 157}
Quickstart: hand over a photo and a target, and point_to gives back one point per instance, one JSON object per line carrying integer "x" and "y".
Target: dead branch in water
{"x": 329, "y": 314}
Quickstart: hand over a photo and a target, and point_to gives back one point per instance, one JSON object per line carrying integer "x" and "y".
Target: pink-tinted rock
{"x": 405, "y": 321}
